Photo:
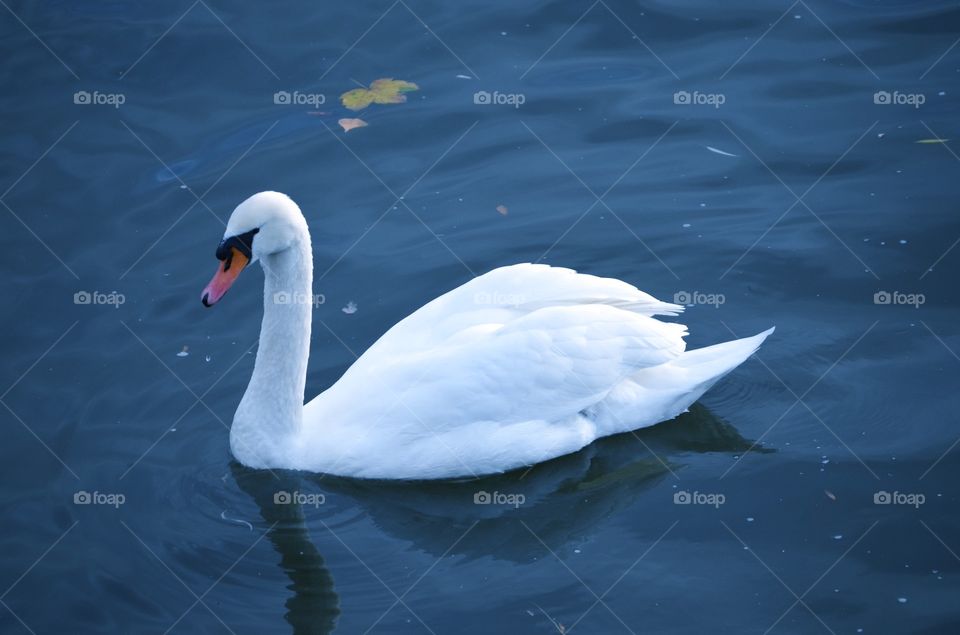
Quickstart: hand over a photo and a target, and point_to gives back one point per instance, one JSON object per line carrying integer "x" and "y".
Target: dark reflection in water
{"x": 561, "y": 499}
{"x": 313, "y": 606}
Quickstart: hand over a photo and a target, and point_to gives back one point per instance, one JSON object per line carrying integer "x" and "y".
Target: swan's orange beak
{"x": 227, "y": 272}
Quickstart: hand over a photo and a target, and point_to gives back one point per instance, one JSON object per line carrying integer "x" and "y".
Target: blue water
{"x": 128, "y": 398}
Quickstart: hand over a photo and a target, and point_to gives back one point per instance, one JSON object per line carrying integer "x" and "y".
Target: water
{"x": 849, "y": 399}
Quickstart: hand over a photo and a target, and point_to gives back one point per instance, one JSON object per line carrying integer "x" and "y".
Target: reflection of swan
{"x": 314, "y": 606}
{"x": 515, "y": 367}
{"x": 564, "y": 500}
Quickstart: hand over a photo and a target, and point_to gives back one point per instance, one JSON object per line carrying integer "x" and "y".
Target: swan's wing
{"x": 490, "y": 376}
{"x": 547, "y": 365}
{"x": 502, "y": 296}
{"x": 519, "y": 343}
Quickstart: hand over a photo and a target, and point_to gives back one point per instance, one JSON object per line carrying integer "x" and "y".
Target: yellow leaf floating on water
{"x": 502, "y": 209}
{"x": 381, "y": 91}
{"x": 350, "y": 124}
{"x": 931, "y": 140}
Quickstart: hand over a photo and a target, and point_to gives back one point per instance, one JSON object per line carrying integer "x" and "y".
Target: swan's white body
{"x": 517, "y": 366}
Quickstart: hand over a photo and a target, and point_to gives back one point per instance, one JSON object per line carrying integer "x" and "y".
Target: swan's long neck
{"x": 270, "y": 414}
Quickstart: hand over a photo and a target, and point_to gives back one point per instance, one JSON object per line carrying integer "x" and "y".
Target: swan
{"x": 520, "y": 365}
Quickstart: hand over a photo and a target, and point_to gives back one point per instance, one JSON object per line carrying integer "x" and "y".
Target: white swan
{"x": 519, "y": 365}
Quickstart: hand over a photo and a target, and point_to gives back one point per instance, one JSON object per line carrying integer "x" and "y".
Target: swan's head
{"x": 264, "y": 224}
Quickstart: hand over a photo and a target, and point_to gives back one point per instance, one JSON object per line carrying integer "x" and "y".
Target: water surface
{"x": 733, "y": 155}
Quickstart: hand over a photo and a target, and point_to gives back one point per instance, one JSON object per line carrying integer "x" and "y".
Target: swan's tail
{"x": 662, "y": 392}
{"x": 706, "y": 365}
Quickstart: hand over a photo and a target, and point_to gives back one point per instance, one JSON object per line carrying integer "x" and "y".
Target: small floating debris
{"x": 749, "y": 519}
{"x": 349, "y": 124}
{"x": 557, "y": 625}
{"x": 720, "y": 152}
{"x": 838, "y": 537}
{"x": 381, "y": 91}
{"x": 239, "y": 521}
{"x": 903, "y": 242}
{"x": 686, "y": 225}
{"x": 902, "y": 600}
{"x": 207, "y": 358}
{"x": 464, "y": 77}
{"x": 350, "y": 309}
{"x": 830, "y": 494}
{"x": 183, "y": 353}
{"x": 502, "y": 209}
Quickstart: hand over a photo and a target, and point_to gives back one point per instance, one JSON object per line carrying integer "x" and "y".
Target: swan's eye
{"x": 241, "y": 242}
